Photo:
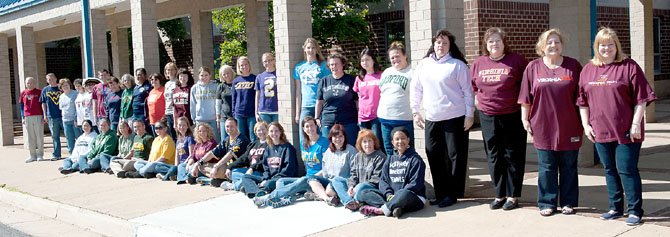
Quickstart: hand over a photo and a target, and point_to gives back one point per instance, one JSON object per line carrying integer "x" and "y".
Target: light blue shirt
{"x": 67, "y": 105}
{"x": 309, "y": 74}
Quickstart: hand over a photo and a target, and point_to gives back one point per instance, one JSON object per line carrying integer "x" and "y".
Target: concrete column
{"x": 455, "y": 21}
{"x": 27, "y": 55}
{"x": 120, "y": 59}
{"x": 145, "y": 35}
{"x": 99, "y": 40}
{"x": 257, "y": 25}
{"x": 572, "y": 18}
{"x": 41, "y": 56}
{"x": 6, "y": 118}
{"x": 642, "y": 44}
{"x": 292, "y": 22}
{"x": 201, "y": 36}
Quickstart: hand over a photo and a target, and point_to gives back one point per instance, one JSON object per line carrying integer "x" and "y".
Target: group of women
{"x": 357, "y": 139}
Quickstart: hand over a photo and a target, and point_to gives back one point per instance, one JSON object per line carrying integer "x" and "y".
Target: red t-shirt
{"x": 552, "y": 93}
{"x": 100, "y": 92}
{"x": 201, "y": 149}
{"x": 156, "y": 103}
{"x": 497, "y": 83}
{"x": 611, "y": 92}
{"x": 31, "y": 102}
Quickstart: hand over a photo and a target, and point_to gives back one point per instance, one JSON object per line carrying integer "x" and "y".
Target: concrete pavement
{"x": 100, "y": 204}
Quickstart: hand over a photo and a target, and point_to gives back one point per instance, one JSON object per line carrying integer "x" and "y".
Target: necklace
{"x": 498, "y": 58}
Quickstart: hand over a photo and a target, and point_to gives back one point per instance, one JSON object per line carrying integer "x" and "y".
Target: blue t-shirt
{"x": 50, "y": 96}
{"x": 113, "y": 105}
{"x": 140, "y": 94}
{"x": 266, "y": 84}
{"x": 309, "y": 74}
{"x": 244, "y": 96}
{"x": 313, "y": 156}
{"x": 182, "y": 148}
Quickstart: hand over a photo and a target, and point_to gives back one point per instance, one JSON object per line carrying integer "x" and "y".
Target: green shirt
{"x": 127, "y": 103}
{"x": 104, "y": 143}
{"x": 142, "y": 146}
{"x": 125, "y": 146}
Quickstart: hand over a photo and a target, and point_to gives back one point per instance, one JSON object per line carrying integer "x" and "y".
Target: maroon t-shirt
{"x": 31, "y": 102}
{"x": 611, "y": 92}
{"x": 497, "y": 83}
{"x": 552, "y": 94}
{"x": 181, "y": 102}
{"x": 100, "y": 92}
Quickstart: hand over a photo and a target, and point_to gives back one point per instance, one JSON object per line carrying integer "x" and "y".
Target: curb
{"x": 97, "y": 222}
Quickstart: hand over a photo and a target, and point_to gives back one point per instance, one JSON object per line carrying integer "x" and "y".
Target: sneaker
{"x": 31, "y": 159}
{"x": 191, "y": 180}
{"x": 134, "y": 175}
{"x": 55, "y": 158}
{"x": 311, "y": 196}
{"x": 259, "y": 201}
{"x": 447, "y": 201}
{"x": 397, "y": 212}
{"x": 159, "y": 176}
{"x": 353, "y": 205}
{"x": 282, "y": 201}
{"x": 497, "y": 203}
{"x": 39, "y": 158}
{"x": 109, "y": 171}
{"x": 371, "y": 211}
{"x": 216, "y": 182}
{"x": 121, "y": 174}
{"x": 333, "y": 201}
{"x": 149, "y": 175}
{"x": 633, "y": 220}
{"x": 89, "y": 171}
{"x": 203, "y": 180}
{"x": 510, "y": 204}
{"x": 172, "y": 178}
{"x": 261, "y": 193}
{"x": 611, "y": 215}
{"x": 228, "y": 186}
{"x": 66, "y": 171}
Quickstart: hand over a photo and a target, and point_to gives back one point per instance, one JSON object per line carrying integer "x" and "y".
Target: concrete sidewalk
{"x": 105, "y": 205}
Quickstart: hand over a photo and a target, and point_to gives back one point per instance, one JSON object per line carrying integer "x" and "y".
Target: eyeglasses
{"x": 159, "y": 127}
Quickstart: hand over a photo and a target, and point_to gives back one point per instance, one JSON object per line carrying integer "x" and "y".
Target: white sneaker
{"x": 228, "y": 186}
{"x": 31, "y": 159}
{"x": 39, "y": 158}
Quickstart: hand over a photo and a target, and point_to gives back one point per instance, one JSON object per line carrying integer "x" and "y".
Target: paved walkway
{"x": 100, "y": 204}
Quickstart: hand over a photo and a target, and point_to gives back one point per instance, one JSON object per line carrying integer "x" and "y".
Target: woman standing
{"x": 181, "y": 94}
{"x": 156, "y": 100}
{"x": 496, "y": 81}
{"x": 367, "y": 87}
{"x": 203, "y": 100}
{"x": 307, "y": 75}
{"x": 394, "y": 109}
{"x": 66, "y": 103}
{"x": 443, "y": 86}
{"x": 267, "y": 104}
{"x": 84, "y": 103}
{"x": 549, "y": 90}
{"x": 244, "y": 98}
{"x": 127, "y": 98}
{"x": 336, "y": 100}
{"x": 613, "y": 94}
{"x": 113, "y": 102}
{"x": 224, "y": 98}
{"x": 170, "y": 72}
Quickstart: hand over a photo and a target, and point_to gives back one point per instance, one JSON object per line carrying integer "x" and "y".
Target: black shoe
{"x": 121, "y": 174}
{"x": 216, "y": 182}
{"x": 251, "y": 195}
{"x": 397, "y": 212}
{"x": 447, "y": 201}
{"x": 134, "y": 175}
{"x": 509, "y": 205}
{"x": 89, "y": 171}
{"x": 497, "y": 204}
{"x": 181, "y": 182}
{"x": 191, "y": 180}
{"x": 150, "y": 175}
{"x": 66, "y": 171}
{"x": 108, "y": 171}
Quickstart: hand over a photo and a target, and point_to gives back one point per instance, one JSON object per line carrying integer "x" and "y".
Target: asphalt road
{"x": 6, "y": 231}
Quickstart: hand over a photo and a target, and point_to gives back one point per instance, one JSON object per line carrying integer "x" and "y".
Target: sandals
{"x": 547, "y": 212}
{"x": 567, "y": 210}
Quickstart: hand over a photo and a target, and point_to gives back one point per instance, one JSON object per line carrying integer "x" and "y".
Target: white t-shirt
{"x": 84, "y": 103}
{"x": 394, "y": 98}
{"x": 83, "y": 145}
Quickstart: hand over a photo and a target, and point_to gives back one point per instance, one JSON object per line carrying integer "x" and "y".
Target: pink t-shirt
{"x": 611, "y": 92}
{"x": 100, "y": 92}
{"x": 497, "y": 83}
{"x": 552, "y": 93}
{"x": 368, "y": 96}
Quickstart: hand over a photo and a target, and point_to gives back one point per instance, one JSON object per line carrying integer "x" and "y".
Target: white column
{"x": 120, "y": 58}
{"x": 573, "y": 19}
{"x": 6, "y": 118}
{"x": 201, "y": 36}
{"x": 99, "y": 40}
{"x": 257, "y": 25}
{"x": 145, "y": 35}
{"x": 25, "y": 47}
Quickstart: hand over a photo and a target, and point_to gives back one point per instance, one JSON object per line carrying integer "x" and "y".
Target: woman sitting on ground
{"x": 125, "y": 149}
{"x": 402, "y": 180}
{"x": 162, "y": 153}
{"x": 82, "y": 147}
{"x": 184, "y": 146}
{"x": 365, "y": 169}
{"x": 204, "y": 142}
{"x": 251, "y": 162}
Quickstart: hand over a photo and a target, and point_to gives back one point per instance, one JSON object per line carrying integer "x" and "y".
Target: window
{"x": 395, "y": 31}
{"x": 657, "y": 45}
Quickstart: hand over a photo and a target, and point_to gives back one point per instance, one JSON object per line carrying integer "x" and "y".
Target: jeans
{"x": 339, "y": 184}
{"x": 557, "y": 179}
{"x": 71, "y": 134}
{"x": 622, "y": 175}
{"x": 375, "y": 126}
{"x": 68, "y": 164}
{"x": 505, "y": 146}
{"x": 268, "y": 118}
{"x": 246, "y": 126}
{"x": 237, "y": 174}
{"x": 84, "y": 163}
{"x": 447, "y": 152}
{"x": 288, "y": 189}
{"x": 145, "y": 167}
{"x": 405, "y": 199}
{"x": 351, "y": 129}
{"x": 56, "y": 126}
{"x": 183, "y": 172}
{"x": 388, "y": 126}
{"x": 104, "y": 160}
{"x": 250, "y": 184}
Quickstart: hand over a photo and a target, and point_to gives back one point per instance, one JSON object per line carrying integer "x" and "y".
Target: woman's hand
{"x": 227, "y": 173}
{"x": 588, "y": 131}
{"x": 418, "y": 119}
{"x": 351, "y": 192}
{"x": 468, "y": 123}
{"x": 526, "y": 126}
{"x": 635, "y": 132}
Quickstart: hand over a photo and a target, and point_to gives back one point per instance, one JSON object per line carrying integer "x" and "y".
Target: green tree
{"x": 232, "y": 25}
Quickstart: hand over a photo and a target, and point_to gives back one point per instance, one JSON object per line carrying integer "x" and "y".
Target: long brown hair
{"x": 282, "y": 137}
{"x": 337, "y": 130}
{"x": 305, "y": 137}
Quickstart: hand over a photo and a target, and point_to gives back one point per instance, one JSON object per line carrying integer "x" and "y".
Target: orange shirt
{"x": 156, "y": 103}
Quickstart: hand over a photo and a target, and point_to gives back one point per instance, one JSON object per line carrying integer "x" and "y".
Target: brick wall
{"x": 64, "y": 62}
{"x": 12, "y": 79}
{"x": 377, "y": 40}
{"x": 181, "y": 52}
{"x": 664, "y": 16}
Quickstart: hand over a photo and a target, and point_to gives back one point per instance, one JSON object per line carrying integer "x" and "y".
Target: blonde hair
{"x": 603, "y": 35}
{"x": 209, "y": 133}
{"x": 225, "y": 68}
{"x": 239, "y": 61}
{"x": 542, "y": 40}
{"x": 63, "y": 81}
{"x": 170, "y": 65}
{"x": 319, "y": 56}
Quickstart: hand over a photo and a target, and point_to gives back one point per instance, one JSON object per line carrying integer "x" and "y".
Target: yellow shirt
{"x": 162, "y": 147}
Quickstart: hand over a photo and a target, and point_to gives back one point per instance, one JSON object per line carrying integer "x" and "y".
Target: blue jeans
{"x": 375, "y": 126}
{"x": 68, "y": 164}
{"x": 405, "y": 199}
{"x": 250, "y": 184}
{"x": 289, "y": 187}
{"x": 84, "y": 163}
{"x": 145, "y": 167}
{"x": 104, "y": 160}
{"x": 237, "y": 174}
{"x": 246, "y": 126}
{"x": 183, "y": 172}
{"x": 351, "y": 129}
{"x": 269, "y": 118}
{"x": 339, "y": 184}
{"x": 56, "y": 126}
{"x": 388, "y": 126}
{"x": 222, "y": 128}
{"x": 622, "y": 175}
{"x": 557, "y": 179}
{"x": 71, "y": 134}
{"x": 170, "y": 123}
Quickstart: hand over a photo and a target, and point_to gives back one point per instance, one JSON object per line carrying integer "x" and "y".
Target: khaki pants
{"x": 118, "y": 165}
{"x": 219, "y": 173}
{"x": 35, "y": 137}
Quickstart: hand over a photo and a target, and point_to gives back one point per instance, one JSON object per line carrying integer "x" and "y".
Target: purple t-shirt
{"x": 368, "y": 96}
{"x": 182, "y": 148}
{"x": 266, "y": 84}
{"x": 497, "y": 83}
{"x": 611, "y": 92}
{"x": 552, "y": 93}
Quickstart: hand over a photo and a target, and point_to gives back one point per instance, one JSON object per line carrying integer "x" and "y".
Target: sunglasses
{"x": 159, "y": 127}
